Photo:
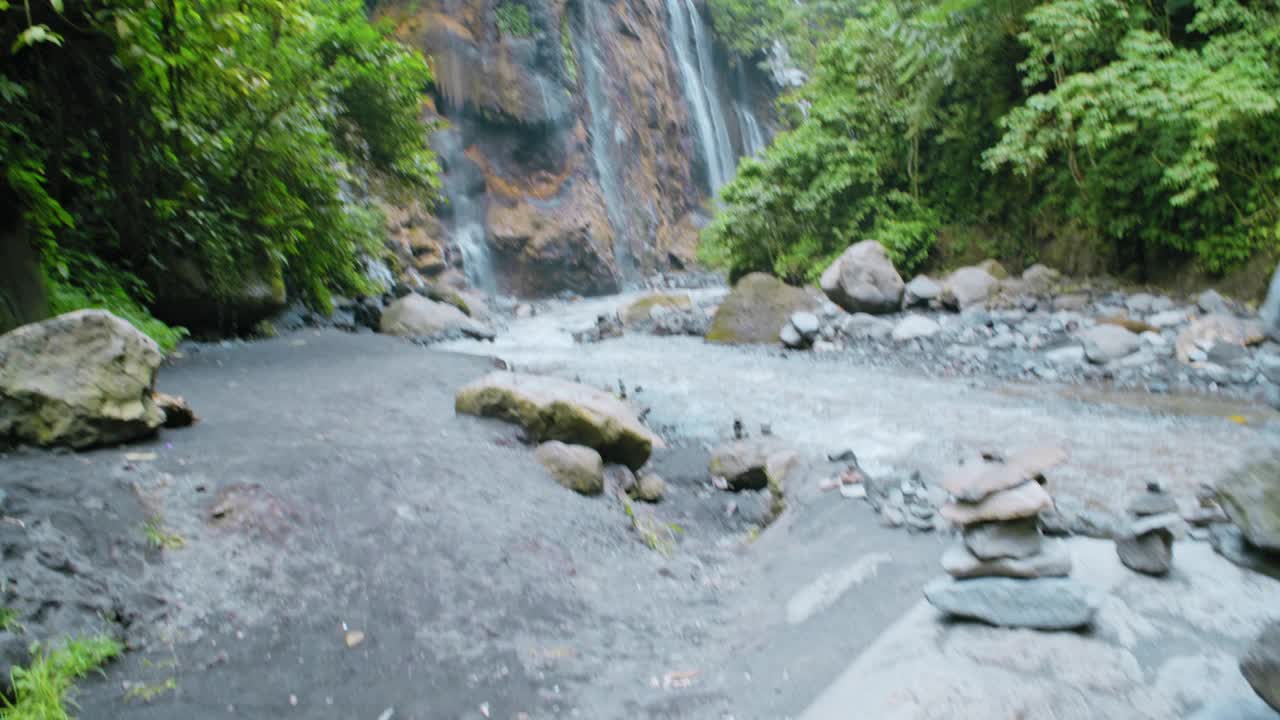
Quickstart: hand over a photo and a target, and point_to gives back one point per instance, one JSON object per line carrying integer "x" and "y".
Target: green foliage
{"x": 1169, "y": 129}
{"x": 146, "y": 693}
{"x": 752, "y": 26}
{"x": 513, "y": 19}
{"x": 1154, "y": 130}
{"x": 8, "y": 619}
{"x": 566, "y": 50}
{"x": 212, "y": 132}
{"x": 160, "y": 537}
{"x": 42, "y": 690}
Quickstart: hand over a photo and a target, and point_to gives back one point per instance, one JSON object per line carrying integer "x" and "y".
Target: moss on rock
{"x": 551, "y": 409}
{"x": 756, "y": 309}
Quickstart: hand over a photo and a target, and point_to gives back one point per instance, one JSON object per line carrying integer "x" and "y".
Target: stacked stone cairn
{"x": 1146, "y": 545}
{"x": 1004, "y": 572}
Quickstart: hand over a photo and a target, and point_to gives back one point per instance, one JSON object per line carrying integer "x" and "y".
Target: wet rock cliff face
{"x": 572, "y": 148}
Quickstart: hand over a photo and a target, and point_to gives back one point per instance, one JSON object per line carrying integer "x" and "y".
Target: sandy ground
{"x": 330, "y": 489}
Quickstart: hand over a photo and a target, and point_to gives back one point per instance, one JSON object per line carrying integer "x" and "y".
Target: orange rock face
{"x": 519, "y": 105}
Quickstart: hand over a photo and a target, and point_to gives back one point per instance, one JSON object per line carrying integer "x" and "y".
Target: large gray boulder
{"x": 416, "y": 316}
{"x": 552, "y": 409}
{"x": 1105, "y": 342}
{"x": 1042, "y": 604}
{"x": 863, "y": 279}
{"x": 1261, "y": 665}
{"x": 968, "y": 287}
{"x": 576, "y": 467}
{"x": 1251, "y": 497}
{"x": 756, "y": 310}
{"x": 80, "y": 379}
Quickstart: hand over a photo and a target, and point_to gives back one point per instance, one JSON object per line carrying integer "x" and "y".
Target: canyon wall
{"x": 581, "y": 139}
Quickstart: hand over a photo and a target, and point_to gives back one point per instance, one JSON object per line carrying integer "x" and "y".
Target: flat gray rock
{"x": 975, "y": 481}
{"x": 1044, "y": 604}
{"x": 996, "y": 540}
{"x": 1150, "y": 553}
{"x": 960, "y": 563}
{"x": 1025, "y": 500}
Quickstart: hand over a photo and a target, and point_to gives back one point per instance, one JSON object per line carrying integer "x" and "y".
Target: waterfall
{"x": 469, "y": 234}
{"x": 692, "y": 46}
{"x": 752, "y": 137}
{"x": 466, "y": 226}
{"x": 604, "y": 138}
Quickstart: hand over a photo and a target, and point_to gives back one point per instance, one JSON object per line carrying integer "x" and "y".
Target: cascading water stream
{"x": 752, "y": 137}
{"x": 603, "y": 139}
{"x": 466, "y": 225}
{"x": 697, "y": 74}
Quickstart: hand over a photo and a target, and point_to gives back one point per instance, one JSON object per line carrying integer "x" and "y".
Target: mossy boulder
{"x": 756, "y": 310}
{"x": 552, "y": 409}
{"x": 1251, "y": 497}
{"x": 81, "y": 379}
{"x": 187, "y": 295}
{"x": 994, "y": 269}
{"x": 576, "y": 467}
{"x": 416, "y": 316}
{"x": 641, "y": 310}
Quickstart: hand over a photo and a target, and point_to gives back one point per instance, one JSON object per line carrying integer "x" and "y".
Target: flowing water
{"x": 752, "y": 136}
{"x": 466, "y": 224}
{"x": 901, "y": 419}
{"x": 692, "y": 45}
{"x": 603, "y": 138}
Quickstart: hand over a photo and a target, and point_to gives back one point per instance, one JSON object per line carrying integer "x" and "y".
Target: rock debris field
{"x": 592, "y": 512}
